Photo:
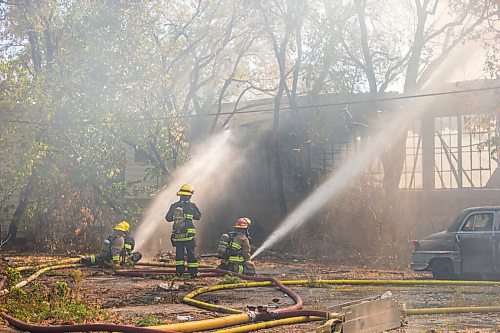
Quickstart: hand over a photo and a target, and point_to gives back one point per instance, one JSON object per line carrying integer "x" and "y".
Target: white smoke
{"x": 340, "y": 179}
{"x": 211, "y": 167}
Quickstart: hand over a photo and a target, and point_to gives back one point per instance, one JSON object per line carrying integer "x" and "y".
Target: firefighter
{"x": 182, "y": 213}
{"x": 127, "y": 256}
{"x": 235, "y": 245}
{"x": 116, "y": 249}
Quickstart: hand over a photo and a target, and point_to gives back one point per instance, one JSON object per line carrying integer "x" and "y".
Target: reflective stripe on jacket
{"x": 191, "y": 212}
{"x": 239, "y": 248}
{"x": 185, "y": 236}
{"x": 114, "y": 246}
{"x": 129, "y": 243}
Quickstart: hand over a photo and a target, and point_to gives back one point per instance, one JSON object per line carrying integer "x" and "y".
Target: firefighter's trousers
{"x": 245, "y": 268}
{"x": 97, "y": 260}
{"x": 183, "y": 248}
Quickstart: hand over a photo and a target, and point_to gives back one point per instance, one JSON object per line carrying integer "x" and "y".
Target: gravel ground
{"x": 131, "y": 299}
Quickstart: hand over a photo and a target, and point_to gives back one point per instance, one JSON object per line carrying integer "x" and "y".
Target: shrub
{"x": 57, "y": 304}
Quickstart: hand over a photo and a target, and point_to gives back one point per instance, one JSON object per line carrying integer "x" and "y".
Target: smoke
{"x": 211, "y": 167}
{"x": 339, "y": 180}
{"x": 353, "y": 168}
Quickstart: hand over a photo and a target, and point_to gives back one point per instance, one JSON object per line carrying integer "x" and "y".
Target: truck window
{"x": 479, "y": 222}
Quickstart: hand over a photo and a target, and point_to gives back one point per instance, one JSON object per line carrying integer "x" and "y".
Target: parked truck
{"x": 469, "y": 247}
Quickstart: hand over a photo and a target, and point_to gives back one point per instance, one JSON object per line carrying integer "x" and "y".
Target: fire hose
{"x": 267, "y": 280}
{"x": 161, "y": 264}
{"x": 289, "y": 315}
{"x": 78, "y": 327}
{"x": 37, "y": 274}
{"x": 307, "y": 316}
{"x": 238, "y": 316}
{"x": 269, "y": 324}
{"x": 184, "y": 327}
{"x": 60, "y": 262}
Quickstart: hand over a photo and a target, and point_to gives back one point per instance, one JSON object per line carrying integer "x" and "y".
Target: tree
{"x": 379, "y": 47}
{"x": 81, "y": 94}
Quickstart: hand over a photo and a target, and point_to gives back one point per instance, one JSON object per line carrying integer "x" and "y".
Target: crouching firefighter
{"x": 116, "y": 249}
{"x": 182, "y": 213}
{"x": 234, "y": 249}
{"x": 127, "y": 256}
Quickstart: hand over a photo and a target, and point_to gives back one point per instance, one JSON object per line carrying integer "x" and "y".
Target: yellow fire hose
{"x": 408, "y": 282}
{"x": 248, "y": 328}
{"x": 207, "y": 324}
{"x": 460, "y": 309}
{"x": 60, "y": 262}
{"x": 238, "y": 317}
{"x": 269, "y": 324}
{"x": 189, "y": 299}
{"x": 37, "y": 274}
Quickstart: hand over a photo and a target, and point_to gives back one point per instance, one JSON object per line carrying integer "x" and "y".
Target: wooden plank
{"x": 371, "y": 316}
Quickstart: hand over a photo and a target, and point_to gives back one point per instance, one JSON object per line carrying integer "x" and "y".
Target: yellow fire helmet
{"x": 185, "y": 190}
{"x": 122, "y": 226}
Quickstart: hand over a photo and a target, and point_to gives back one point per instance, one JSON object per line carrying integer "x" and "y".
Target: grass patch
{"x": 56, "y": 304}
{"x": 12, "y": 275}
{"x": 230, "y": 279}
{"x": 149, "y": 320}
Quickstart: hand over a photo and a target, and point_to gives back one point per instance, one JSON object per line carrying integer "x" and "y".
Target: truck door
{"x": 477, "y": 243}
{"x": 496, "y": 242}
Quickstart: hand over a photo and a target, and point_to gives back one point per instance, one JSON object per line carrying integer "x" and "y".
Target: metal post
{"x": 428, "y": 152}
{"x": 459, "y": 147}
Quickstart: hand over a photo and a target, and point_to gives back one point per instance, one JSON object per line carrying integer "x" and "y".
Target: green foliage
{"x": 493, "y": 144}
{"x": 85, "y": 84}
{"x": 68, "y": 96}
{"x": 230, "y": 279}
{"x": 12, "y": 275}
{"x": 57, "y": 304}
{"x": 149, "y": 320}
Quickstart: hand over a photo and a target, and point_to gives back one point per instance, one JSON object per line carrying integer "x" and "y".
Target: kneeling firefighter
{"x": 234, "y": 249}
{"x": 116, "y": 249}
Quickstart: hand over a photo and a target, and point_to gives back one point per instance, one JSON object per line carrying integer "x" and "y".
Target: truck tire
{"x": 442, "y": 269}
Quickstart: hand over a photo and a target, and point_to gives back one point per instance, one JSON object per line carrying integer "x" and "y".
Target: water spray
{"x": 339, "y": 180}
{"x": 212, "y": 165}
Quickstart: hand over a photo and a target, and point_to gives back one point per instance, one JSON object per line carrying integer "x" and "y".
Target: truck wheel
{"x": 442, "y": 269}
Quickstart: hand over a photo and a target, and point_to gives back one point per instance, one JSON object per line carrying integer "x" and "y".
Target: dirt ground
{"x": 130, "y": 299}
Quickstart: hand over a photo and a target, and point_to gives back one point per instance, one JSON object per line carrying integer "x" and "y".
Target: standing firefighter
{"x": 182, "y": 213}
{"x": 234, "y": 249}
{"x": 116, "y": 249}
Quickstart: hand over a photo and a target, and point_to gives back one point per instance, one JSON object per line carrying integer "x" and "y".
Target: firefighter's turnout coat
{"x": 187, "y": 231}
{"x": 116, "y": 250}
{"x": 112, "y": 256}
{"x": 183, "y": 233}
{"x": 237, "y": 257}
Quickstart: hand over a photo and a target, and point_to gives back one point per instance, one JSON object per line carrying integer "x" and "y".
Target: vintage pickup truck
{"x": 470, "y": 246}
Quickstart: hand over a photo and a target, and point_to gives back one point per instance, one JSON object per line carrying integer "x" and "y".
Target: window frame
{"x": 466, "y": 220}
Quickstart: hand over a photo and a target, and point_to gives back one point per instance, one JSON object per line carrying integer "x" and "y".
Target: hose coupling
{"x": 334, "y": 315}
{"x": 251, "y": 315}
{"x": 261, "y": 308}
